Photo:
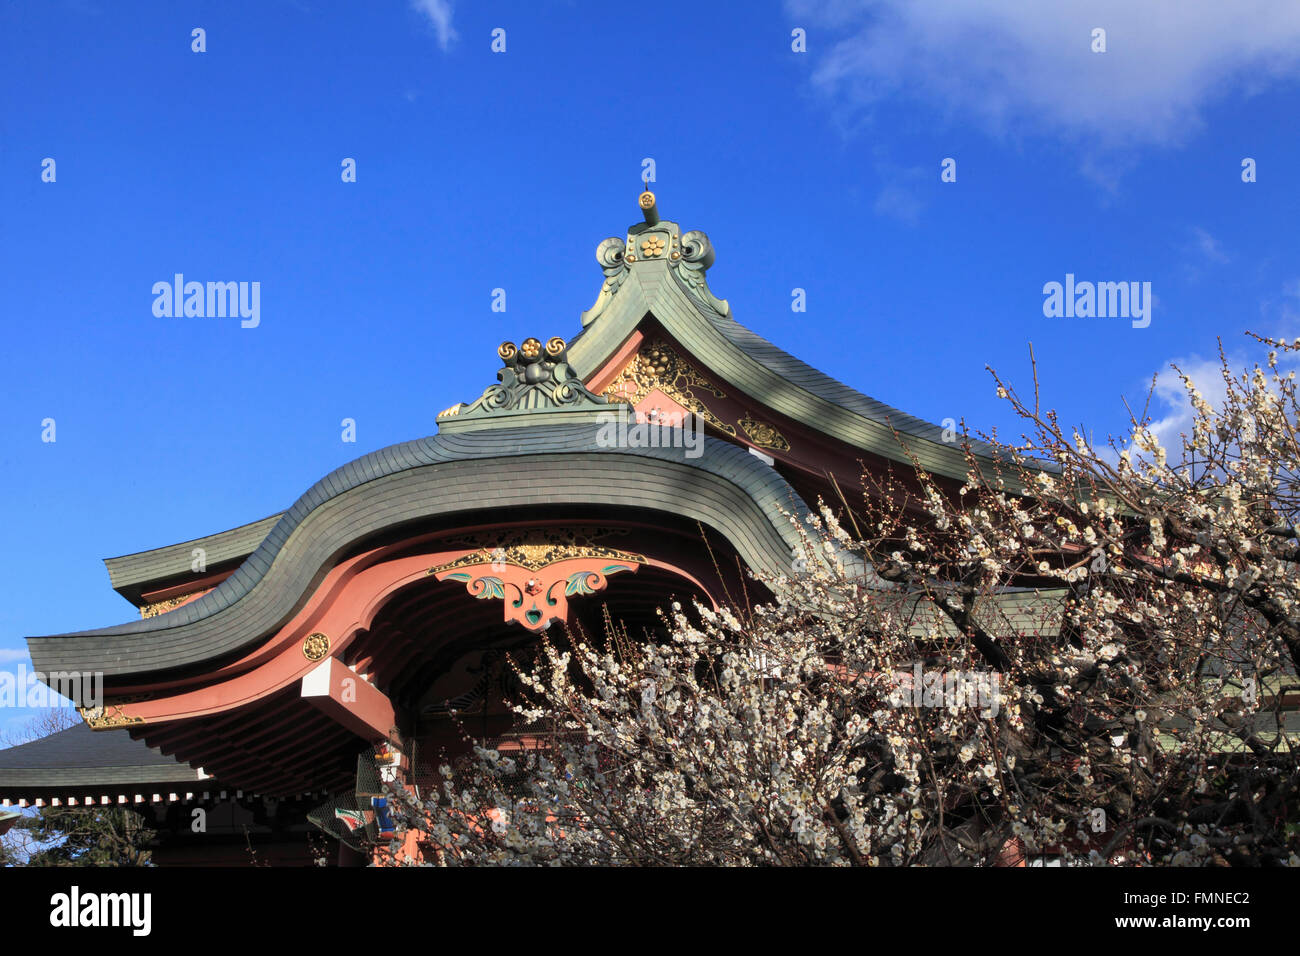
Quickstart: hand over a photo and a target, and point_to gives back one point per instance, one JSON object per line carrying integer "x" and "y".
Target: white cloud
{"x": 1172, "y": 413}
{"x": 1016, "y": 65}
{"x": 10, "y": 654}
{"x": 900, "y": 193}
{"x": 898, "y": 202}
{"x": 1201, "y": 250}
{"x": 1208, "y": 246}
{"x": 439, "y": 14}
{"x": 1171, "y": 395}
{"x": 1280, "y": 314}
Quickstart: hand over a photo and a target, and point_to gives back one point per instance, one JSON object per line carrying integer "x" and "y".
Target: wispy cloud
{"x": 898, "y": 203}
{"x": 1171, "y": 396}
{"x": 10, "y": 654}
{"x": 1208, "y": 246}
{"x": 1201, "y": 251}
{"x": 439, "y": 14}
{"x": 1172, "y": 413}
{"x": 900, "y": 193}
{"x": 1016, "y": 66}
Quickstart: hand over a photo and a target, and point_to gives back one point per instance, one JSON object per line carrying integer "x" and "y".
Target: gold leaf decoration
{"x": 657, "y": 365}
{"x": 764, "y": 435}
{"x": 162, "y": 607}
{"x": 315, "y": 646}
{"x": 536, "y": 555}
{"x": 112, "y": 715}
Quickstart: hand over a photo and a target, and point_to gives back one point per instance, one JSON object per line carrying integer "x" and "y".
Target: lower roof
{"x": 80, "y": 757}
{"x": 132, "y": 573}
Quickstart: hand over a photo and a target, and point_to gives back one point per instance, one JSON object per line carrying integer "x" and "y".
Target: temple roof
{"x": 535, "y": 387}
{"x": 83, "y": 758}
{"x": 670, "y": 285}
{"x": 660, "y": 271}
{"x": 540, "y": 409}
{"x": 132, "y": 572}
{"x": 725, "y": 488}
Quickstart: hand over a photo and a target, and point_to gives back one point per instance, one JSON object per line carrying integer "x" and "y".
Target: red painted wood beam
{"x": 338, "y": 692}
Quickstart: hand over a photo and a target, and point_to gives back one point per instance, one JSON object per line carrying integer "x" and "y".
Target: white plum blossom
{"x": 1137, "y": 608}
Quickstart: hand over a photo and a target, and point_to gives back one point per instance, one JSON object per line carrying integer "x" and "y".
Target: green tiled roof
{"x": 664, "y": 289}
{"x": 725, "y": 488}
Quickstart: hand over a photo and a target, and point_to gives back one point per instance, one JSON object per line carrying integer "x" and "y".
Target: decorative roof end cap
{"x": 534, "y": 378}
{"x": 648, "y": 244}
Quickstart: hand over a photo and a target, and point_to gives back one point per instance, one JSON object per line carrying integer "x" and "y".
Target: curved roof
{"x": 725, "y": 488}
{"x": 673, "y": 291}
{"x": 706, "y": 327}
{"x": 81, "y": 757}
{"x": 475, "y": 460}
{"x": 130, "y": 572}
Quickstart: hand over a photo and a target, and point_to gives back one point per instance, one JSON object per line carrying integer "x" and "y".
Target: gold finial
{"x": 648, "y": 208}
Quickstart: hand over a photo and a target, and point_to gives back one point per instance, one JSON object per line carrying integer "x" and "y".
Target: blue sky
{"x": 478, "y": 170}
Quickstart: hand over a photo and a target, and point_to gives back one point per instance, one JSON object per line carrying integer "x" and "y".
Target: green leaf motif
{"x": 490, "y": 587}
{"x": 578, "y": 584}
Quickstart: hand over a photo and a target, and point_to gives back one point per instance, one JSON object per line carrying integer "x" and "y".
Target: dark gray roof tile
{"x": 80, "y": 757}
{"x": 726, "y": 487}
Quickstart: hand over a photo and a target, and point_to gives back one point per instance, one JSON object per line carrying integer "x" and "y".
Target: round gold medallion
{"x": 315, "y": 646}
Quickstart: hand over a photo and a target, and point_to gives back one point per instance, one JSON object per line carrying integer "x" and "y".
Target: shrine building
{"x": 661, "y": 453}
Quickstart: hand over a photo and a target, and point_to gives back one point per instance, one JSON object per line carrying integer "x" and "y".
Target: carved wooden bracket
{"x": 534, "y": 594}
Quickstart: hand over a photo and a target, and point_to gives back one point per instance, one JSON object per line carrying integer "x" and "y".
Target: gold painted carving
{"x": 112, "y": 715}
{"x": 162, "y": 607}
{"x": 534, "y": 557}
{"x": 657, "y": 365}
{"x": 315, "y": 646}
{"x": 535, "y": 548}
{"x": 763, "y": 434}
